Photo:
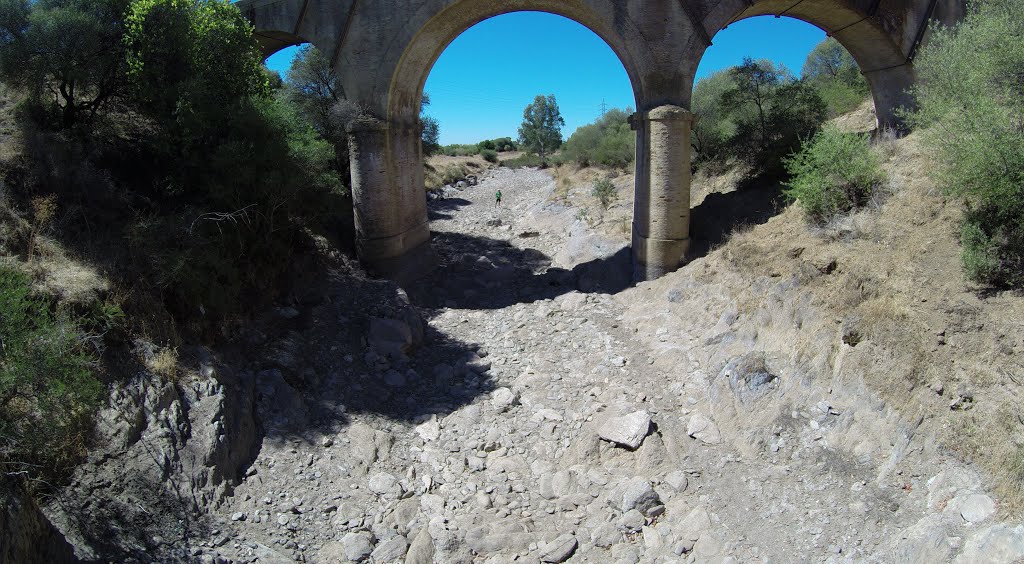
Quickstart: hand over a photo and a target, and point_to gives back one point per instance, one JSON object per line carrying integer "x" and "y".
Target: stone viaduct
{"x": 383, "y": 51}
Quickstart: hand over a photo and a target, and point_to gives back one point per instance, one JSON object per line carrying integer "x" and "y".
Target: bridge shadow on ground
{"x": 443, "y": 208}
{"x": 480, "y": 273}
{"x": 712, "y": 222}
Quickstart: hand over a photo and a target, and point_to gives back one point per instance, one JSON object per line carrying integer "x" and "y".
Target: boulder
{"x": 628, "y": 430}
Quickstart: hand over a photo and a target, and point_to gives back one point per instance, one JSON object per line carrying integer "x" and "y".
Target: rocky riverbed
{"x": 525, "y": 403}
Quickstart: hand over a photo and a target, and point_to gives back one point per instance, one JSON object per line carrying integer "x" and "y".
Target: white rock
{"x": 678, "y": 480}
{"x": 429, "y": 430}
{"x": 974, "y": 508}
{"x": 950, "y": 483}
{"x": 695, "y": 523}
{"x": 383, "y": 483}
{"x": 559, "y": 550}
{"x": 390, "y": 550}
{"x": 422, "y": 549}
{"x": 998, "y": 543}
{"x": 703, "y": 429}
{"x": 635, "y": 494}
{"x": 628, "y": 430}
{"x": 357, "y": 546}
{"x": 502, "y": 399}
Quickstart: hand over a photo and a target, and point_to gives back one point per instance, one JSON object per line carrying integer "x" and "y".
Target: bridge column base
{"x": 661, "y": 214}
{"x": 392, "y": 232}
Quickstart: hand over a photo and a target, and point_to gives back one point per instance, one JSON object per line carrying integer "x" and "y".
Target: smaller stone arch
{"x": 272, "y": 41}
{"x": 279, "y": 24}
{"x": 875, "y": 40}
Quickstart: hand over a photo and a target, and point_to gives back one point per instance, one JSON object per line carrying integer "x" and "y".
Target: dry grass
{"x": 897, "y": 280}
{"x": 165, "y": 364}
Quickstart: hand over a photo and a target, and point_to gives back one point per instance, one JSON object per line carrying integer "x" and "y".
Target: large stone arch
{"x": 420, "y": 55}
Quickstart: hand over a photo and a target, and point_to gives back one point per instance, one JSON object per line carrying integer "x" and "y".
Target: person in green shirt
{"x": 497, "y": 199}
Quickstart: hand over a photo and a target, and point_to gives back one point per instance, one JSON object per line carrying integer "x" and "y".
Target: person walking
{"x": 497, "y": 199}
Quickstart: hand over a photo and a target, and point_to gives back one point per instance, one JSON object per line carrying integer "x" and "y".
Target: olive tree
{"x": 66, "y": 54}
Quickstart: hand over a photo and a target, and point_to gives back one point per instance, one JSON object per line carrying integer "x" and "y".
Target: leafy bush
{"x": 832, "y": 174}
{"x": 48, "y": 392}
{"x": 527, "y": 160}
{"x": 489, "y": 155}
{"x": 458, "y": 150}
{"x": 716, "y": 125}
{"x": 505, "y": 144}
{"x": 609, "y": 141}
{"x": 970, "y": 96}
{"x": 605, "y": 192}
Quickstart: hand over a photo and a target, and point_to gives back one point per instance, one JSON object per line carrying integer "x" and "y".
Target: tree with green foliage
{"x": 541, "y": 130}
{"x": 609, "y": 141}
{"x": 189, "y": 59}
{"x": 313, "y": 87}
{"x": 771, "y": 111}
{"x": 66, "y": 54}
{"x": 504, "y": 144}
{"x": 430, "y": 135}
{"x": 245, "y": 173}
{"x": 972, "y": 105}
{"x": 754, "y": 87}
{"x": 714, "y": 125}
{"x": 832, "y": 70}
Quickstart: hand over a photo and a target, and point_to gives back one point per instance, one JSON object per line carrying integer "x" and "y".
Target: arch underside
{"x": 422, "y": 52}
{"x": 867, "y": 37}
{"x": 273, "y": 41}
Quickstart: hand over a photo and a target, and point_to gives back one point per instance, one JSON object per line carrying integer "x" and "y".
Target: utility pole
{"x": 604, "y": 107}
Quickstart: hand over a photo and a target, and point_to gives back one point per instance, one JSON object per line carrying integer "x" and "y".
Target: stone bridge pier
{"x": 383, "y": 50}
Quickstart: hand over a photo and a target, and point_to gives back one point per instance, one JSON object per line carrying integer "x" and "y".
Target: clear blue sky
{"x": 481, "y": 83}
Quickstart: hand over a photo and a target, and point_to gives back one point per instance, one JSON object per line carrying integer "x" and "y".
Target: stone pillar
{"x": 392, "y": 233}
{"x": 890, "y": 91}
{"x": 661, "y": 212}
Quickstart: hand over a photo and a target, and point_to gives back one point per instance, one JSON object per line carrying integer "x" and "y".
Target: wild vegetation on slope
{"x": 972, "y": 105}
{"x": 148, "y": 141}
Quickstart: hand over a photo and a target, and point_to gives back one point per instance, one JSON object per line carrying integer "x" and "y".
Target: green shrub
{"x": 489, "y": 155}
{"x": 505, "y": 144}
{"x": 605, "y": 192}
{"x": 970, "y": 99}
{"x": 609, "y": 141}
{"x": 528, "y": 160}
{"x": 833, "y": 173}
{"x": 48, "y": 392}
{"x": 457, "y": 150}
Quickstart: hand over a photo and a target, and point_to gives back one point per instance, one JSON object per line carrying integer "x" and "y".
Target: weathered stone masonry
{"x": 383, "y": 51}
